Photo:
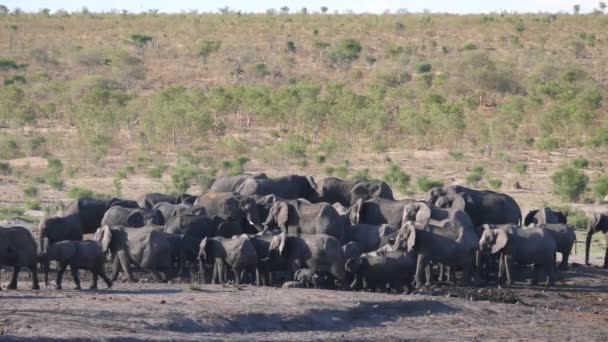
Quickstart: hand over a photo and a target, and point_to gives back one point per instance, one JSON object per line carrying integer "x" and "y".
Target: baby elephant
{"x": 308, "y": 278}
{"x": 237, "y": 253}
{"x": 525, "y": 246}
{"x": 565, "y": 239}
{"x": 379, "y": 269}
{"x": 76, "y": 254}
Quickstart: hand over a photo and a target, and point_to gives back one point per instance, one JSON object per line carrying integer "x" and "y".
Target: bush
{"x": 425, "y": 184}
{"x": 5, "y": 168}
{"x": 342, "y": 170}
{"x": 601, "y": 187}
{"x": 394, "y": 176}
{"x": 580, "y": 163}
{"x": 182, "y": 176}
{"x": 521, "y": 168}
{"x": 495, "y": 184}
{"x": 330, "y": 170}
{"x": 30, "y": 191}
{"x": 294, "y": 147}
{"x": 10, "y": 212}
{"x": 237, "y": 167}
{"x": 346, "y": 52}
{"x": 470, "y": 46}
{"x": 362, "y": 175}
{"x": 422, "y": 67}
{"x": 206, "y": 178}
{"x": 140, "y": 39}
{"x": 157, "y": 171}
{"x": 475, "y": 176}
{"x": 291, "y": 47}
{"x": 7, "y": 64}
{"x": 456, "y": 155}
{"x": 32, "y": 204}
{"x": 578, "y": 219}
{"x": 320, "y": 159}
{"x": 569, "y": 183}
{"x": 77, "y": 192}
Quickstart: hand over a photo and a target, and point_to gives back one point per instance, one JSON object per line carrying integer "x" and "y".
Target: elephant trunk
{"x": 588, "y": 246}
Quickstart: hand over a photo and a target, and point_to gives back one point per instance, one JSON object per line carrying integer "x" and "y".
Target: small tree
{"x": 207, "y": 48}
{"x": 284, "y": 9}
{"x": 324, "y": 9}
{"x": 140, "y": 40}
{"x": 347, "y": 51}
{"x": 291, "y": 47}
{"x": 3, "y": 10}
{"x": 569, "y": 183}
{"x": 603, "y": 5}
{"x": 576, "y": 8}
{"x": 601, "y": 187}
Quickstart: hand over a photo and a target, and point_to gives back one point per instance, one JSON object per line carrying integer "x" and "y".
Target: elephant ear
{"x": 529, "y": 219}
{"x": 358, "y": 192}
{"x": 229, "y": 229}
{"x": 411, "y": 237}
{"x": 136, "y": 219}
{"x": 105, "y": 238}
{"x": 422, "y": 210}
{"x": 282, "y": 242}
{"x": 501, "y": 240}
{"x": 458, "y": 202}
{"x": 355, "y": 212}
{"x": 593, "y": 222}
{"x": 228, "y": 206}
{"x": 282, "y": 214}
{"x": 311, "y": 182}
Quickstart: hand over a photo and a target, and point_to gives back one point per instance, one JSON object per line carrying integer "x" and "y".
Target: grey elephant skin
{"x": 378, "y": 211}
{"x": 320, "y": 253}
{"x": 237, "y": 254}
{"x": 229, "y": 183}
{"x": 445, "y": 236}
{"x": 169, "y": 210}
{"x": 525, "y": 246}
{"x": 597, "y": 223}
{"x": 347, "y": 192}
{"x": 378, "y": 270}
{"x": 129, "y": 217}
{"x": 303, "y": 217}
{"x": 55, "y": 229}
{"x": 565, "y": 239}
{"x": 369, "y": 237}
{"x": 544, "y": 215}
{"x": 148, "y": 201}
{"x": 90, "y": 211}
{"x": 147, "y": 248}
{"x": 288, "y": 187}
{"x": 77, "y": 255}
{"x": 483, "y": 206}
{"x": 18, "y": 249}
{"x": 232, "y": 206}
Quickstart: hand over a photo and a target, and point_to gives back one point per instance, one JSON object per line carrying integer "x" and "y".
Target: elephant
{"x": 147, "y": 248}
{"x": 352, "y": 250}
{"x": 55, "y": 229}
{"x": 90, "y": 211}
{"x": 132, "y": 218}
{"x": 525, "y": 246}
{"x": 565, "y": 239}
{"x": 169, "y": 210}
{"x": 308, "y": 279}
{"x": 347, "y": 192}
{"x": 444, "y": 236}
{"x": 369, "y": 236}
{"x": 287, "y": 187}
{"x": 232, "y": 206}
{"x": 598, "y": 222}
{"x": 229, "y": 183}
{"x": 148, "y": 201}
{"x": 320, "y": 253}
{"x": 76, "y": 254}
{"x": 483, "y": 206}
{"x": 376, "y": 271}
{"x": 303, "y": 217}
{"x": 237, "y": 253}
{"x": 378, "y": 211}
{"x": 264, "y": 203}
{"x": 18, "y": 249}
{"x": 544, "y": 215}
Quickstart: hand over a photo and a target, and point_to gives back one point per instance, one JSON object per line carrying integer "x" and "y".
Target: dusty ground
{"x": 577, "y": 309}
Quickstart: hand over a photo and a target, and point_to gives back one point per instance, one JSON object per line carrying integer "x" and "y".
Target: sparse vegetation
{"x": 494, "y": 183}
{"x": 396, "y": 178}
{"x": 521, "y": 168}
{"x": 425, "y": 184}
{"x": 580, "y": 163}
{"x": 601, "y": 187}
{"x": 569, "y": 183}
{"x": 475, "y": 176}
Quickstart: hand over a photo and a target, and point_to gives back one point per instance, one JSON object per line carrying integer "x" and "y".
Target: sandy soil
{"x": 575, "y": 309}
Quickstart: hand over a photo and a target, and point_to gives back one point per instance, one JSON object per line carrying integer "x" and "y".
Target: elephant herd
{"x": 296, "y": 232}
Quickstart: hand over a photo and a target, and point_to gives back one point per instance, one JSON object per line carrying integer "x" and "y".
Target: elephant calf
{"x": 564, "y": 237}
{"x": 76, "y": 254}
{"x": 18, "y": 249}
{"x": 379, "y": 270}
{"x": 237, "y": 253}
{"x": 525, "y": 246}
{"x": 308, "y": 278}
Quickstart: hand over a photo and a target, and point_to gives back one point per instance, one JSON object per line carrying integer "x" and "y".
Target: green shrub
{"x": 342, "y": 170}
{"x": 456, "y": 155}
{"x": 423, "y": 67}
{"x": 362, "y": 175}
{"x": 183, "y": 175}
{"x": 578, "y": 219}
{"x": 320, "y": 159}
{"x": 521, "y": 168}
{"x": 78, "y": 192}
{"x": 10, "y": 212}
{"x": 330, "y": 170}
{"x": 291, "y": 47}
{"x": 71, "y": 171}
{"x": 140, "y": 39}
{"x": 569, "y": 183}
{"x": 294, "y": 146}
{"x": 5, "y": 168}
{"x": 30, "y": 191}
{"x": 54, "y": 180}
{"x": 237, "y": 167}
{"x": 425, "y": 184}
{"x": 601, "y": 187}
{"x": 55, "y": 164}
{"x": 475, "y": 176}
{"x": 379, "y": 146}
{"x": 470, "y": 46}
{"x": 580, "y": 163}
{"x": 495, "y": 184}
{"x": 157, "y": 171}
{"x": 395, "y": 177}
{"x": 346, "y": 52}
{"x": 7, "y": 64}
{"x": 32, "y": 204}
{"x": 206, "y": 178}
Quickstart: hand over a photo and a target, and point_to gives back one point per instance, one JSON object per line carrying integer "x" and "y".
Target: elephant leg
{"x": 237, "y": 276}
{"x": 550, "y": 274}
{"x": 421, "y": 264}
{"x": 428, "y": 274}
{"x": 441, "y": 272}
{"x": 156, "y": 276}
{"x": 13, "y": 284}
{"x": 606, "y": 255}
{"x": 62, "y": 268}
{"x": 103, "y": 276}
{"x": 536, "y": 274}
{"x": 214, "y": 275}
{"x": 563, "y": 265}
{"x": 34, "y": 270}
{"x": 94, "y": 285}
{"x": 126, "y": 266}
{"x": 508, "y": 266}
{"x": 501, "y": 268}
{"x": 74, "y": 271}
{"x": 115, "y": 268}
